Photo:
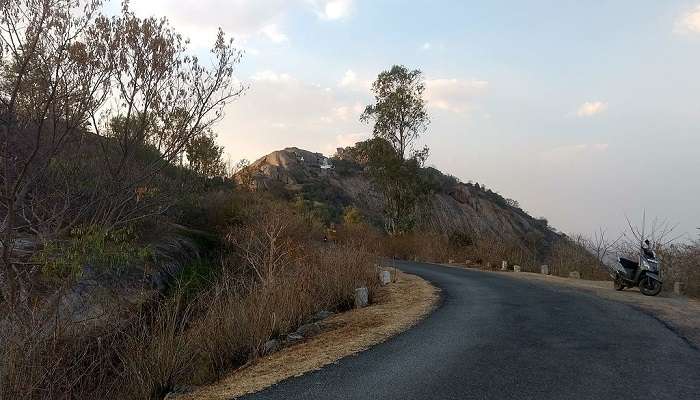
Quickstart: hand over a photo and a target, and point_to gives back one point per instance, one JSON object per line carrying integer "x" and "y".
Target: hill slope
{"x": 337, "y": 183}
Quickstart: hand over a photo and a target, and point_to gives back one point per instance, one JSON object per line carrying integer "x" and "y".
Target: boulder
{"x": 384, "y": 278}
{"x": 321, "y": 315}
{"x": 575, "y": 275}
{"x": 294, "y": 337}
{"x": 544, "y": 269}
{"x": 361, "y": 297}
{"x": 516, "y": 268}
{"x": 271, "y": 346}
{"x": 308, "y": 330}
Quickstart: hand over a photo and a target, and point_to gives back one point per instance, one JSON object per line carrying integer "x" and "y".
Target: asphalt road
{"x": 495, "y": 337}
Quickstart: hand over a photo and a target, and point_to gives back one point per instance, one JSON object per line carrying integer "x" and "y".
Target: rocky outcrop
{"x": 464, "y": 208}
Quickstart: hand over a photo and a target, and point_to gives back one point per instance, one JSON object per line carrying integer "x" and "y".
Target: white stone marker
{"x": 516, "y": 268}
{"x": 544, "y": 269}
{"x": 504, "y": 265}
{"x": 384, "y": 278}
{"x": 677, "y": 288}
{"x": 361, "y": 297}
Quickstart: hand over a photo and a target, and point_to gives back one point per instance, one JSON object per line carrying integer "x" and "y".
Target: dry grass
{"x": 279, "y": 277}
{"x": 399, "y": 306}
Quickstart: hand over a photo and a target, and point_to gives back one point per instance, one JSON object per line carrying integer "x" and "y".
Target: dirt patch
{"x": 397, "y": 307}
{"x": 680, "y": 314}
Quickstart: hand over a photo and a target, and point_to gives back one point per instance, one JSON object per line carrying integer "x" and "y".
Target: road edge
{"x": 399, "y": 306}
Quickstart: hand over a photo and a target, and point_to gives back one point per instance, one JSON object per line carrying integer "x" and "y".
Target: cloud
{"x": 346, "y": 112}
{"x": 591, "y": 108}
{"x": 454, "y": 95}
{"x": 349, "y": 78}
{"x": 271, "y": 76}
{"x": 689, "y": 22}
{"x": 426, "y": 46}
{"x": 332, "y": 9}
{"x": 244, "y": 19}
{"x": 272, "y": 32}
{"x": 571, "y": 152}
{"x": 199, "y": 19}
{"x": 280, "y": 110}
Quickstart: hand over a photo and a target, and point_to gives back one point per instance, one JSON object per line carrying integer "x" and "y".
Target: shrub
{"x": 217, "y": 318}
{"x": 91, "y": 246}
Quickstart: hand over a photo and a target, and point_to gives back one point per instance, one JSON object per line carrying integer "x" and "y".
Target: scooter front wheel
{"x": 649, "y": 286}
{"x": 618, "y": 285}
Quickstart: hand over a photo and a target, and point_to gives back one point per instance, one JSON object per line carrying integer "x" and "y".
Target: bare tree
{"x": 265, "y": 244}
{"x": 91, "y": 110}
{"x": 49, "y": 83}
{"x": 601, "y": 245}
{"x": 659, "y": 233}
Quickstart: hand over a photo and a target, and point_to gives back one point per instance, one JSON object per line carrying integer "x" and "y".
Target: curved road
{"x": 495, "y": 337}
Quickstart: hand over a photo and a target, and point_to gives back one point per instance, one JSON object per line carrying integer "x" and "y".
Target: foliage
{"x": 399, "y": 113}
{"x": 399, "y": 116}
{"x": 204, "y": 155}
{"x": 399, "y": 180}
{"x": 345, "y": 167}
{"x": 437, "y": 182}
{"x": 92, "y": 247}
{"x": 93, "y": 112}
{"x": 513, "y": 203}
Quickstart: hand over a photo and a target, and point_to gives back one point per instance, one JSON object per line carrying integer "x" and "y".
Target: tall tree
{"x": 398, "y": 112}
{"x": 399, "y": 116}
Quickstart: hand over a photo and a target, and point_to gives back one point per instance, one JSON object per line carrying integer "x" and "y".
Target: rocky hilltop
{"x": 337, "y": 183}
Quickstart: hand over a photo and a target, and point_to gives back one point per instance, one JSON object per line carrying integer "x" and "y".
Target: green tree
{"x": 399, "y": 112}
{"x": 204, "y": 155}
{"x": 399, "y": 116}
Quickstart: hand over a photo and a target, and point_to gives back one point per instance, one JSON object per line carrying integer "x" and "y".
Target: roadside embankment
{"x": 397, "y": 307}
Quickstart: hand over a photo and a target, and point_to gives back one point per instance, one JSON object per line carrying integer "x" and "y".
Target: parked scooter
{"x": 645, "y": 273}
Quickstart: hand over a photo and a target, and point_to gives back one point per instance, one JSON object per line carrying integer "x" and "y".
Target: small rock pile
{"x": 311, "y": 328}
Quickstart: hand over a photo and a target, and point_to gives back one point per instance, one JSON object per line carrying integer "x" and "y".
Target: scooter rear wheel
{"x": 649, "y": 287}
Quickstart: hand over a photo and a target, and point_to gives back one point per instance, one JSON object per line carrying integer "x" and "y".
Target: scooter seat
{"x": 629, "y": 263}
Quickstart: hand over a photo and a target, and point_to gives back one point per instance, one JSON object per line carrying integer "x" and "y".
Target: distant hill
{"x": 336, "y": 182}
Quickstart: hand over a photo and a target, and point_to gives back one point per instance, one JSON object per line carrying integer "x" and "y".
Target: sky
{"x": 587, "y": 113}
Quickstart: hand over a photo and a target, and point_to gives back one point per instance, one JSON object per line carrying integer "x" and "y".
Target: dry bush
{"x": 241, "y": 315}
{"x": 426, "y": 246}
{"x": 274, "y": 278}
{"x": 370, "y": 237}
{"x": 681, "y": 263}
{"x": 46, "y": 357}
{"x": 156, "y": 353}
{"x": 572, "y": 254}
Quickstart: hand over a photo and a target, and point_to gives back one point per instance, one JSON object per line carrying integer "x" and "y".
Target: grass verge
{"x": 397, "y": 307}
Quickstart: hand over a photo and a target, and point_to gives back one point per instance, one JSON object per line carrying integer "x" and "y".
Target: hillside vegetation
{"x": 135, "y": 263}
{"x": 457, "y": 220}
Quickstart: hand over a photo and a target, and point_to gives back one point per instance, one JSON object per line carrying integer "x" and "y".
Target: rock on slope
{"x": 459, "y": 207}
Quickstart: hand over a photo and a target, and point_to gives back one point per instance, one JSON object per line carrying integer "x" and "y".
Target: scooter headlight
{"x": 653, "y": 266}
